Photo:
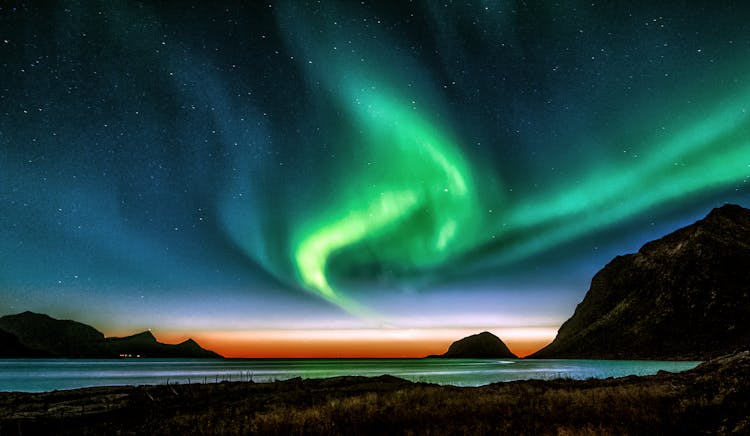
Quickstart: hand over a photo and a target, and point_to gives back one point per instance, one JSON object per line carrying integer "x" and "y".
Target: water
{"x": 38, "y": 375}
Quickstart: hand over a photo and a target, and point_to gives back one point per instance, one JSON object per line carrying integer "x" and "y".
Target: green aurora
{"x": 295, "y": 165}
{"x": 422, "y": 204}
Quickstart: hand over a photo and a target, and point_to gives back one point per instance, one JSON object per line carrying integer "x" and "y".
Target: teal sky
{"x": 395, "y": 165}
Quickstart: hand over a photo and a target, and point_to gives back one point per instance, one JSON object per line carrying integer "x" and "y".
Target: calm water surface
{"x": 37, "y": 375}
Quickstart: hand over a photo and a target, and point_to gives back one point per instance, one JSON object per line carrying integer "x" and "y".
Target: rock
{"x": 479, "y": 346}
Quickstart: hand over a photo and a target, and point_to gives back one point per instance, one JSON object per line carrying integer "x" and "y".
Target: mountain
{"x": 191, "y": 348}
{"x": 145, "y": 345}
{"x": 479, "y": 346}
{"x": 684, "y": 296}
{"x": 31, "y": 334}
{"x": 58, "y": 338}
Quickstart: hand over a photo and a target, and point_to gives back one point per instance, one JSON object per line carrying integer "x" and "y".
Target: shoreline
{"x": 713, "y": 397}
{"x": 23, "y": 376}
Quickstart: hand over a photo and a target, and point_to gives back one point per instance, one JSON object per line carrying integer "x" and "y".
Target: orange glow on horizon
{"x": 354, "y": 343}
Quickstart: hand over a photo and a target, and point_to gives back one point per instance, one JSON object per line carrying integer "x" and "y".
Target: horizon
{"x": 374, "y": 343}
{"x": 341, "y": 180}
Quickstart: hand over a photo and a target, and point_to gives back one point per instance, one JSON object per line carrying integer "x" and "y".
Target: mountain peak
{"x": 728, "y": 209}
{"x": 727, "y": 216}
{"x": 683, "y": 296}
{"x": 189, "y": 344}
{"x": 145, "y": 335}
{"x": 30, "y": 314}
{"x": 63, "y": 338}
{"x": 144, "y": 338}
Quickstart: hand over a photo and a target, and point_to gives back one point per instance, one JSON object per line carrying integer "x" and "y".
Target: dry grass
{"x": 559, "y": 408}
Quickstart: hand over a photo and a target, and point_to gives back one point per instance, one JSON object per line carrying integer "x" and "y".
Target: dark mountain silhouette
{"x": 479, "y": 346}
{"x": 31, "y": 334}
{"x": 58, "y": 338}
{"x": 11, "y": 347}
{"x": 145, "y": 345}
{"x": 684, "y": 296}
{"x": 191, "y": 348}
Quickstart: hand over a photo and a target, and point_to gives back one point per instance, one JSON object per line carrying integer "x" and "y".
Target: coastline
{"x": 714, "y": 398}
{"x": 51, "y": 374}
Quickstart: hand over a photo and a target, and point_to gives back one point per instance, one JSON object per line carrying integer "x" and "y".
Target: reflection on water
{"x": 36, "y": 375}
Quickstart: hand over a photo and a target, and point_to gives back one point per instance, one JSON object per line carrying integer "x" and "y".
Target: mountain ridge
{"x": 30, "y": 334}
{"x": 683, "y": 296}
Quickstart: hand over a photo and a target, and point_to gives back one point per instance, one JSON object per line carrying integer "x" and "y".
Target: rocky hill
{"x": 684, "y": 296}
{"x": 479, "y": 346}
{"x": 31, "y": 334}
{"x": 145, "y": 345}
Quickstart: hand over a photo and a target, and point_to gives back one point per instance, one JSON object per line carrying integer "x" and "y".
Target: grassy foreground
{"x": 714, "y": 398}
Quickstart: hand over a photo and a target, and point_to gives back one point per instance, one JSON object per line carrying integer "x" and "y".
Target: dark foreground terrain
{"x": 714, "y": 398}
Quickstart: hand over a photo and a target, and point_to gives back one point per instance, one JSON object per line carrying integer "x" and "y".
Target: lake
{"x": 38, "y": 375}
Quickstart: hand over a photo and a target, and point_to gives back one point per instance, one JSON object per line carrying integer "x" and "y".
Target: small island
{"x": 483, "y": 345}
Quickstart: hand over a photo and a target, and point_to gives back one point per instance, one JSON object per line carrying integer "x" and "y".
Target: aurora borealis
{"x": 393, "y": 174}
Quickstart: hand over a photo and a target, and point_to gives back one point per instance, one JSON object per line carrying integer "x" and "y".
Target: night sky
{"x": 355, "y": 178}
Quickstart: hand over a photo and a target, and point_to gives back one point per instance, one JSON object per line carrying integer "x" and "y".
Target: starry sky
{"x": 302, "y": 178}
